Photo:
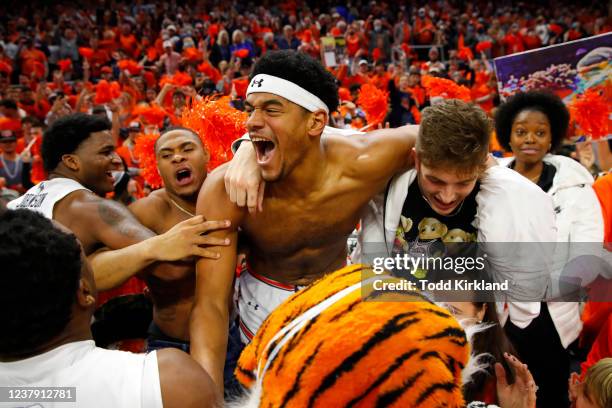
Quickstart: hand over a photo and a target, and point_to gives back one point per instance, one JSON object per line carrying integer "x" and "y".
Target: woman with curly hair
{"x": 532, "y": 125}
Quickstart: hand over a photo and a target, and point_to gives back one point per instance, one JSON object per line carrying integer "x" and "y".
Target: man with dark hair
{"x": 181, "y": 161}
{"x": 79, "y": 154}
{"x": 454, "y": 195}
{"x": 318, "y": 183}
{"x": 48, "y": 339}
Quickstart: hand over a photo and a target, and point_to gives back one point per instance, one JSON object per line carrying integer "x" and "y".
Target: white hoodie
{"x": 578, "y": 219}
{"x": 510, "y": 209}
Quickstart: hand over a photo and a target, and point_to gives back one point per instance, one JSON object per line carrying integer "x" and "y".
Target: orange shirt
{"x": 480, "y": 90}
{"x": 603, "y": 189}
{"x": 129, "y": 44}
{"x": 31, "y": 61}
{"x": 418, "y": 93}
{"x": 356, "y": 79}
{"x": 381, "y": 81}
{"x": 352, "y": 44}
{"x": 37, "y": 173}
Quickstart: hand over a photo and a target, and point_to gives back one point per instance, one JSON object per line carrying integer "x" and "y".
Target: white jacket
{"x": 578, "y": 219}
{"x": 510, "y": 209}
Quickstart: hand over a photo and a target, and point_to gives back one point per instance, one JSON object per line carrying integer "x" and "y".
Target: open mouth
{"x": 184, "y": 177}
{"x": 445, "y": 206}
{"x": 264, "y": 149}
{"x": 529, "y": 151}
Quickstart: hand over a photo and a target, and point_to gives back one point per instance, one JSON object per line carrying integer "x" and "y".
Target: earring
{"x": 90, "y": 300}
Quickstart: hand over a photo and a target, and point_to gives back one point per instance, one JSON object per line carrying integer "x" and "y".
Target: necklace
{"x": 6, "y": 169}
{"x": 181, "y": 208}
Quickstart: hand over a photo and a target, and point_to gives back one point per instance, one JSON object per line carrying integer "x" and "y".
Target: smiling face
{"x": 181, "y": 161}
{"x": 531, "y": 136}
{"x": 443, "y": 187}
{"x": 278, "y": 129}
{"x": 96, "y": 159}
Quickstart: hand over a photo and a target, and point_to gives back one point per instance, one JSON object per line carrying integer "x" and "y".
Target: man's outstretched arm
{"x": 209, "y": 321}
{"x": 378, "y": 154}
{"x": 131, "y": 246}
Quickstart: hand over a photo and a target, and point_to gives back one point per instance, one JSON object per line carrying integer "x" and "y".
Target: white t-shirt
{"x": 43, "y": 196}
{"x": 103, "y": 378}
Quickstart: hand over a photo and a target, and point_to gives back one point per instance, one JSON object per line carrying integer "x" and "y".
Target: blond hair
{"x": 598, "y": 382}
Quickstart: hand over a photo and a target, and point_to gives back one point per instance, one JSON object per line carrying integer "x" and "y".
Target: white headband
{"x": 286, "y": 89}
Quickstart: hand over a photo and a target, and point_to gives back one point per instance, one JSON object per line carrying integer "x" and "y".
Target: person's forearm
{"x": 162, "y": 95}
{"x": 208, "y": 332}
{"x": 113, "y": 267}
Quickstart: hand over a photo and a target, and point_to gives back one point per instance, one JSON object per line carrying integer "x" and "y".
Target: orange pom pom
{"x": 115, "y": 89}
{"x": 465, "y": 53}
{"x": 192, "y": 54}
{"x": 590, "y": 112}
{"x": 376, "y": 54}
{"x": 103, "y": 92}
{"x": 152, "y": 54}
{"x": 209, "y": 71}
{"x": 130, "y": 65}
{"x": 152, "y": 115}
{"x": 445, "y": 88}
{"x": 344, "y": 94}
{"x": 6, "y": 67}
{"x": 374, "y": 102}
{"x": 178, "y": 79}
{"x": 218, "y": 124}
{"x": 10, "y": 124}
{"x": 144, "y": 151}
{"x": 149, "y": 79}
{"x": 484, "y": 45}
{"x": 86, "y": 52}
{"x": 64, "y": 65}
{"x": 242, "y": 53}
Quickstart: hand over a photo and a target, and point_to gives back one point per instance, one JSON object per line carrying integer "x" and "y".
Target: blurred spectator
{"x": 287, "y": 40}
{"x": 170, "y": 59}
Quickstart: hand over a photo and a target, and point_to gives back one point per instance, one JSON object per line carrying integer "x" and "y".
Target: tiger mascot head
{"x": 344, "y": 342}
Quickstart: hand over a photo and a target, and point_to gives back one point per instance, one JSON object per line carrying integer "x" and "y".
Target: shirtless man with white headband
{"x": 318, "y": 184}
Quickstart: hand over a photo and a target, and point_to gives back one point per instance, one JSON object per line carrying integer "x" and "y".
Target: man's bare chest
{"x": 288, "y": 227}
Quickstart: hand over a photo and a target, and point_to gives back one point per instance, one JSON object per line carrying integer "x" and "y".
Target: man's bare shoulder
{"x": 151, "y": 208}
{"x": 73, "y": 204}
{"x": 372, "y": 156}
{"x": 345, "y": 151}
{"x": 213, "y": 200}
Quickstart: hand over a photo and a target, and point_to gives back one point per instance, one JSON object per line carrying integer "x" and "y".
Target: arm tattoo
{"x": 121, "y": 220}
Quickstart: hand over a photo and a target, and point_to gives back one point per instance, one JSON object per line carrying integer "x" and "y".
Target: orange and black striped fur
{"x": 368, "y": 349}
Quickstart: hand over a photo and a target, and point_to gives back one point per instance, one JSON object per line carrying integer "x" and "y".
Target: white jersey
{"x": 43, "y": 196}
{"x": 102, "y": 378}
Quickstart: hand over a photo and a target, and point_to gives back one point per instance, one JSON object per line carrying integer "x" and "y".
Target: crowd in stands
{"x": 141, "y": 62}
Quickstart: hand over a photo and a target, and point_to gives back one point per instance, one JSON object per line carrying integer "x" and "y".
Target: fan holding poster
{"x": 333, "y": 51}
{"x": 580, "y": 73}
